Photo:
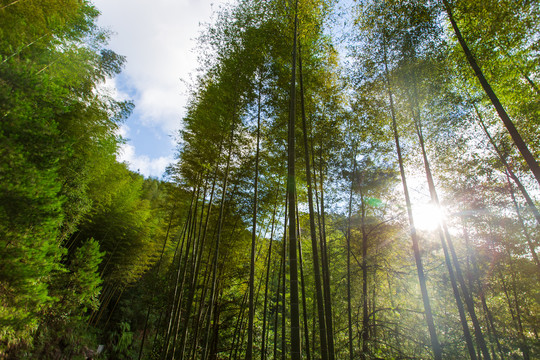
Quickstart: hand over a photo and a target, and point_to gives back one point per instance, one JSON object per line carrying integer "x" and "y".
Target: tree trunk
{"x": 238, "y": 328}
{"x": 530, "y": 202}
{"x": 515, "y": 316}
{"x": 154, "y": 289}
{"x": 171, "y": 311}
{"x": 312, "y": 228}
{"x": 291, "y": 188}
{"x": 215, "y": 336}
{"x": 195, "y": 278}
{"x": 349, "y": 308}
{"x": 518, "y": 307}
{"x": 326, "y": 269}
{"x": 283, "y": 280}
{"x": 185, "y": 267}
{"x": 201, "y": 315}
{"x": 268, "y": 265}
{"x": 303, "y": 288}
{"x": 435, "y": 346}
{"x": 525, "y": 231}
{"x": 276, "y": 307}
{"x": 217, "y": 243}
{"x": 435, "y": 200}
{"x": 518, "y": 140}
{"x": 365, "y": 308}
{"x": 249, "y": 349}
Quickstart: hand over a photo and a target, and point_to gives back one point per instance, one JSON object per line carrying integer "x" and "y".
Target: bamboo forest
{"x": 352, "y": 180}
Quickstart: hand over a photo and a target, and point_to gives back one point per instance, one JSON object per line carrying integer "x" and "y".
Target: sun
{"x": 427, "y": 216}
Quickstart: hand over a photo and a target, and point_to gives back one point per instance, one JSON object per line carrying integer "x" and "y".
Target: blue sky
{"x": 158, "y": 39}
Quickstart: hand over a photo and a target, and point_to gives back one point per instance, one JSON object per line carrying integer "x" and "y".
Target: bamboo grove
{"x": 354, "y": 180}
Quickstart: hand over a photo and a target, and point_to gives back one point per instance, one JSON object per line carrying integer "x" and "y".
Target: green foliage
{"x": 73, "y": 220}
{"x": 123, "y": 222}
{"x": 83, "y": 287}
{"x": 56, "y": 132}
{"x": 121, "y": 340}
{"x": 75, "y": 290}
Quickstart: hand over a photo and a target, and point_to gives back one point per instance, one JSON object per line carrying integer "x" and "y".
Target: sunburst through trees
{"x": 354, "y": 180}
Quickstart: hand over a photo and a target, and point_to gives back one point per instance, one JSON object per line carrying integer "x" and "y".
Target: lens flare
{"x": 427, "y": 216}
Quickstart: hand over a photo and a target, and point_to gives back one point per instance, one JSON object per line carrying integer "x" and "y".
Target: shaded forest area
{"x": 376, "y": 202}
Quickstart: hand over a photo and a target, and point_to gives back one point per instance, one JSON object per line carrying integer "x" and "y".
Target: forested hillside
{"x": 354, "y": 180}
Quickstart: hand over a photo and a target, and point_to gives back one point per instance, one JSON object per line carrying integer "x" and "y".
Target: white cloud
{"x": 123, "y": 131}
{"x": 143, "y": 164}
{"x": 110, "y": 88}
{"x": 157, "y": 38}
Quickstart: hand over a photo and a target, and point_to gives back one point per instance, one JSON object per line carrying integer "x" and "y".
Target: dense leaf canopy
{"x": 407, "y": 228}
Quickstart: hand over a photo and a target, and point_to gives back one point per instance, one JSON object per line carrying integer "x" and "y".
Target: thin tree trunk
{"x": 104, "y": 305}
{"x": 102, "y": 297}
{"x": 467, "y": 296}
{"x": 249, "y": 349}
{"x": 276, "y": 307}
{"x": 238, "y": 327}
{"x": 472, "y": 278}
{"x": 157, "y": 279}
{"x": 114, "y": 306}
{"x": 8, "y": 5}
{"x": 268, "y": 265}
{"x": 396, "y": 325}
{"x": 189, "y": 254}
{"x": 241, "y": 336}
{"x": 365, "y": 308}
{"x": 171, "y": 308}
{"x": 349, "y": 308}
{"x": 530, "y": 202}
{"x": 183, "y": 258}
{"x": 116, "y": 244}
{"x": 445, "y": 235}
{"x": 312, "y": 228}
{"x": 436, "y": 347}
{"x": 325, "y": 268}
{"x": 19, "y": 50}
{"x": 523, "y": 72}
{"x": 435, "y": 200}
{"x": 215, "y": 336}
{"x": 218, "y": 240}
{"x": 284, "y": 282}
{"x": 491, "y": 327}
{"x": 518, "y": 140}
{"x": 201, "y": 311}
{"x": 291, "y": 188}
{"x": 522, "y": 223}
{"x": 373, "y": 316}
{"x": 303, "y": 288}
{"x": 446, "y": 238}
{"x": 198, "y": 258}
{"x": 518, "y": 307}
